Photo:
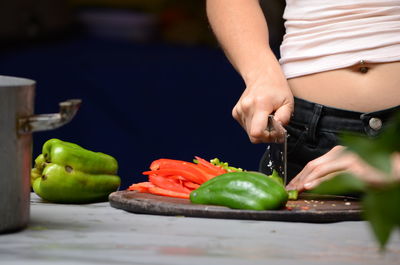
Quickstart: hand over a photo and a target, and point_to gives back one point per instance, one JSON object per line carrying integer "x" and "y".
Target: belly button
{"x": 363, "y": 68}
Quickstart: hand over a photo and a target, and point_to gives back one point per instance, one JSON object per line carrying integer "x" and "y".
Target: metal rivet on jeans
{"x": 375, "y": 123}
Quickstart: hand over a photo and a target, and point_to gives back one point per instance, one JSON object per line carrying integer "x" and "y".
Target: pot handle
{"x": 44, "y": 122}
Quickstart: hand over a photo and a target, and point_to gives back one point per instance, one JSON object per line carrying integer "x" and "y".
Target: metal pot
{"x": 17, "y": 122}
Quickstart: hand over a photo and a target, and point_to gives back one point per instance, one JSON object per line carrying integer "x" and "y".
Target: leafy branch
{"x": 380, "y": 202}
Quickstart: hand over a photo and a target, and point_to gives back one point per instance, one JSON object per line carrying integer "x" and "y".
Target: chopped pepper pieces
{"x": 177, "y": 178}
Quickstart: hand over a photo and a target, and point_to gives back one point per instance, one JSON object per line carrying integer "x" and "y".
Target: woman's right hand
{"x": 242, "y": 30}
{"x": 261, "y": 98}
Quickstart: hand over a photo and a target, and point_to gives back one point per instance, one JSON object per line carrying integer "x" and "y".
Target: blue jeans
{"x": 314, "y": 129}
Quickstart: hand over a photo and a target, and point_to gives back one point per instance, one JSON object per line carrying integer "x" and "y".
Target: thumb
{"x": 284, "y": 113}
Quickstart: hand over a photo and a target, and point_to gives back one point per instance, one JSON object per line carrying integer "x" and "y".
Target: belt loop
{"x": 313, "y": 123}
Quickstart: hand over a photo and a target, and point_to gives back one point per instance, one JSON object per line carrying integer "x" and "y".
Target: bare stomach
{"x": 351, "y": 89}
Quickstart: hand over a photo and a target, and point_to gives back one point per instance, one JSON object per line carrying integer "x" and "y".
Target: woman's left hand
{"x": 336, "y": 161}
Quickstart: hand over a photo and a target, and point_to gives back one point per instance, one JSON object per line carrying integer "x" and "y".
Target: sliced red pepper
{"x": 149, "y": 187}
{"x": 209, "y": 172}
{"x": 204, "y": 168}
{"x": 172, "y": 163}
{"x": 172, "y": 184}
{"x": 188, "y": 172}
{"x": 141, "y": 186}
{"x": 177, "y": 178}
{"x": 213, "y": 168}
{"x": 190, "y": 185}
{"x": 166, "y": 163}
{"x": 164, "y": 192}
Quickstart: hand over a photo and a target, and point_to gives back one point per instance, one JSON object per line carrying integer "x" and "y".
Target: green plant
{"x": 380, "y": 202}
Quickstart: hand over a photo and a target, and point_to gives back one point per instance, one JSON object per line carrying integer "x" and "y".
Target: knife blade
{"x": 276, "y": 151}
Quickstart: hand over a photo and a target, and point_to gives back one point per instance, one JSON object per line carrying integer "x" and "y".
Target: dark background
{"x": 153, "y": 81}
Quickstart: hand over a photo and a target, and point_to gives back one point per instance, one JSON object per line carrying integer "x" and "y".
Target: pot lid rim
{"x": 12, "y": 81}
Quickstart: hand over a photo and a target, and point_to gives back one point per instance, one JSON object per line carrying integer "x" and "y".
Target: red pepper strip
{"x": 213, "y": 168}
{"x": 169, "y": 183}
{"x": 164, "y": 192}
{"x": 141, "y": 186}
{"x": 177, "y": 178}
{"x": 190, "y": 185}
{"x": 149, "y": 187}
{"x": 165, "y": 163}
{"x": 210, "y": 172}
{"x": 179, "y": 164}
{"x": 190, "y": 175}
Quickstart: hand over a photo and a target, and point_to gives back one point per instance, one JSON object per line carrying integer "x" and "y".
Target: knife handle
{"x": 277, "y": 129}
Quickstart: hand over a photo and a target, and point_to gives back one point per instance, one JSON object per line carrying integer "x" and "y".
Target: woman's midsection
{"x": 375, "y": 87}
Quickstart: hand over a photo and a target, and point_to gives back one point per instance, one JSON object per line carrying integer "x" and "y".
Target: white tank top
{"x": 324, "y": 35}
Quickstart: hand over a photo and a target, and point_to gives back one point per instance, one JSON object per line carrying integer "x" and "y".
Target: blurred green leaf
{"x": 373, "y": 151}
{"x": 376, "y": 151}
{"x": 380, "y": 204}
{"x": 381, "y": 209}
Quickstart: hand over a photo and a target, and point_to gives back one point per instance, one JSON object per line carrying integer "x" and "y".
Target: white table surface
{"x": 99, "y": 234}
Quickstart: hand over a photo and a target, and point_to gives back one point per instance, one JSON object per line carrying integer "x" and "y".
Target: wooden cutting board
{"x": 308, "y": 208}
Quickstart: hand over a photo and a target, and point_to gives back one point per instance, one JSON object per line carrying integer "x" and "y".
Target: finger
{"x": 284, "y": 113}
{"x": 299, "y": 180}
{"x": 328, "y": 167}
{"x": 312, "y": 184}
{"x": 257, "y": 125}
{"x": 328, "y": 171}
{"x": 240, "y": 117}
{"x": 319, "y": 167}
{"x": 295, "y": 183}
{"x": 236, "y": 113}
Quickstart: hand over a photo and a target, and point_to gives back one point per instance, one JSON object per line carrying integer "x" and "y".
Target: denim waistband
{"x": 339, "y": 120}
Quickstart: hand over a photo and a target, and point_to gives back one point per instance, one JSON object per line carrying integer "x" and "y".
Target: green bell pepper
{"x": 69, "y": 154}
{"x": 242, "y": 190}
{"x": 67, "y": 173}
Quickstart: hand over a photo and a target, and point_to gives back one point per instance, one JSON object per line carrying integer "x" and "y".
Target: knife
{"x": 276, "y": 152}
